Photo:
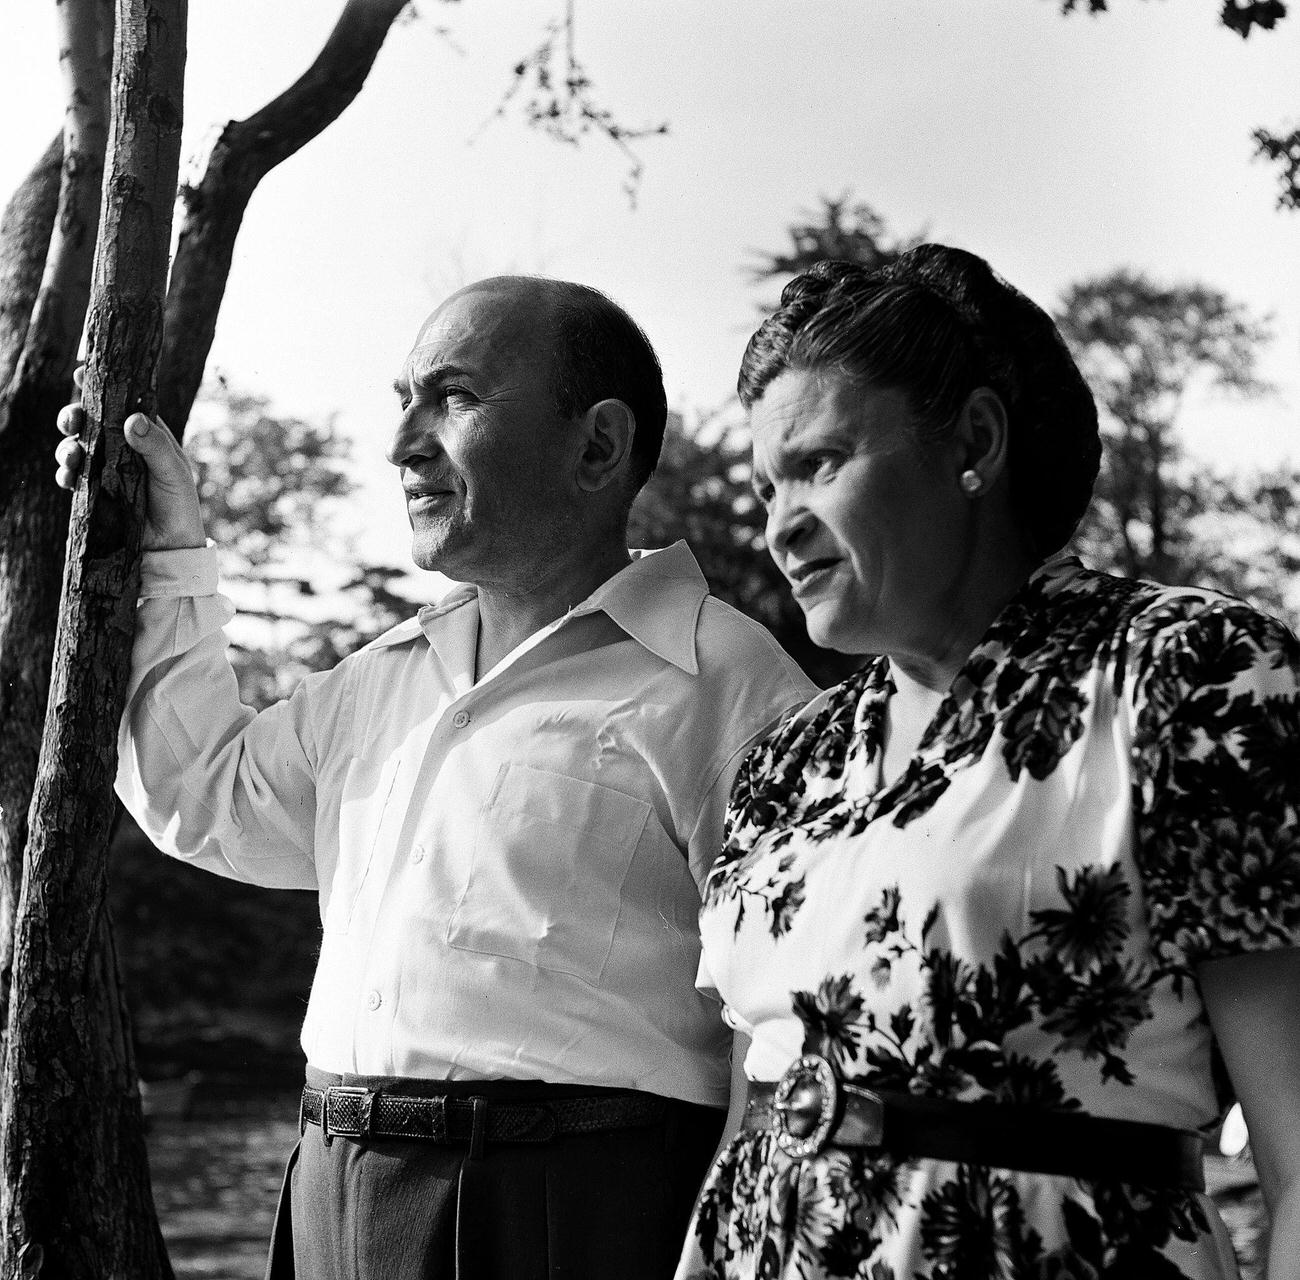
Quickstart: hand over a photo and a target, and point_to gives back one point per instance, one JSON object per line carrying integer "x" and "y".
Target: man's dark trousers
{"x": 579, "y": 1207}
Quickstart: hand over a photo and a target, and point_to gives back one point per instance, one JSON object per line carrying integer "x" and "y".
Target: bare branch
{"x": 555, "y": 93}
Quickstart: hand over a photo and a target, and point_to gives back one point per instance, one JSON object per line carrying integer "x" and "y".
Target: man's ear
{"x": 983, "y": 435}
{"x": 607, "y": 431}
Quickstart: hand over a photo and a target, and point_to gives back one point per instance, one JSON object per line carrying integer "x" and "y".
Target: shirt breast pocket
{"x": 550, "y": 856}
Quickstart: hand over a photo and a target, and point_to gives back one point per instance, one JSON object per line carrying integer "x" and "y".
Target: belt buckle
{"x": 345, "y": 1112}
{"x": 806, "y": 1106}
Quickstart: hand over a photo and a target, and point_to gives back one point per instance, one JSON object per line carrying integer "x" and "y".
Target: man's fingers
{"x": 138, "y": 428}
{"x": 71, "y": 420}
{"x": 156, "y": 445}
{"x": 70, "y": 455}
{"x": 79, "y": 376}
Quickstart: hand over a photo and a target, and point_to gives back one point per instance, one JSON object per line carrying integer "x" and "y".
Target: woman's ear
{"x": 982, "y": 434}
{"x": 607, "y": 431}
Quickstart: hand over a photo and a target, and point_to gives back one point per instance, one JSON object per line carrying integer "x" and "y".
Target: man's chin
{"x": 428, "y": 554}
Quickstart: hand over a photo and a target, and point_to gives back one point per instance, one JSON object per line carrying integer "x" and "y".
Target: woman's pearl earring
{"x": 970, "y": 482}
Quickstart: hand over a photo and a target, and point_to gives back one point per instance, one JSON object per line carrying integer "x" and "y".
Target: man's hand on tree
{"x": 174, "y": 519}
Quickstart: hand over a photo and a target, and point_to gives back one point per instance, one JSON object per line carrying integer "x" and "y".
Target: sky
{"x": 1057, "y": 147}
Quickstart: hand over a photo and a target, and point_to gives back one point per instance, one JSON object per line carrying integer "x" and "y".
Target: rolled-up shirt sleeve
{"x": 209, "y": 780}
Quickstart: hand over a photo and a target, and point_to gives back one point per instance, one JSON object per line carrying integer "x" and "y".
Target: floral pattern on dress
{"x": 1119, "y": 755}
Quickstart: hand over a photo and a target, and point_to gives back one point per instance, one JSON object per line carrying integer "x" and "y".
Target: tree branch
{"x": 50, "y": 344}
{"x": 244, "y": 154}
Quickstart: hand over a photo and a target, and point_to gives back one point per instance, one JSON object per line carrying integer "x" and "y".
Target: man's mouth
{"x": 423, "y": 500}
{"x": 417, "y": 489}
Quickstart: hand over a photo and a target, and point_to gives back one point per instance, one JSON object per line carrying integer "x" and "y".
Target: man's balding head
{"x": 594, "y": 351}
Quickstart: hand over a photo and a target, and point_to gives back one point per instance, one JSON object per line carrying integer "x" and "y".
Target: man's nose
{"x": 412, "y": 439}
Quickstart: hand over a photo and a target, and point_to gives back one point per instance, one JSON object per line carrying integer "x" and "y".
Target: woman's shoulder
{"x": 1205, "y": 637}
{"x": 833, "y": 711}
{"x": 1150, "y": 625}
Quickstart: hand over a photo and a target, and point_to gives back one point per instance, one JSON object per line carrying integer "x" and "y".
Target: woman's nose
{"x": 788, "y": 520}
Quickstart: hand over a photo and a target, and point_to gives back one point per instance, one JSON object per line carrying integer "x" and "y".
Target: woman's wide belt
{"x": 810, "y": 1108}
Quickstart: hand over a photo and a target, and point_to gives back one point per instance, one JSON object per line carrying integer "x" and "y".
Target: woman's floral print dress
{"x": 1107, "y": 796}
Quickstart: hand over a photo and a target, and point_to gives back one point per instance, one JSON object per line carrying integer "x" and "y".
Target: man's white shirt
{"x": 508, "y": 869}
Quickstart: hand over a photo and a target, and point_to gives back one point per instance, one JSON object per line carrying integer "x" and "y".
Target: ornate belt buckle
{"x": 807, "y": 1105}
{"x": 346, "y": 1111}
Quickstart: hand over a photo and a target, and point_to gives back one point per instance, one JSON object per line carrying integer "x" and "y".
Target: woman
{"x": 995, "y": 913}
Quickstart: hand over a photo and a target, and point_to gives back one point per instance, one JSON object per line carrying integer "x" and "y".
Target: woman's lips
{"x": 810, "y": 575}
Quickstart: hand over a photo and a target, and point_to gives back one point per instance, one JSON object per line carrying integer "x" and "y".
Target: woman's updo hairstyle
{"x": 936, "y": 324}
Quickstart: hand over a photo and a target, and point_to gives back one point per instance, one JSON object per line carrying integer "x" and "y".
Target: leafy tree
{"x": 1157, "y": 514}
{"x": 840, "y": 228}
{"x": 273, "y": 488}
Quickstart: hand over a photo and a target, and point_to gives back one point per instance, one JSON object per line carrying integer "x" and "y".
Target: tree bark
{"x": 38, "y": 348}
{"x": 76, "y": 1200}
{"x": 24, "y": 535}
{"x": 243, "y": 155}
{"x": 25, "y": 232}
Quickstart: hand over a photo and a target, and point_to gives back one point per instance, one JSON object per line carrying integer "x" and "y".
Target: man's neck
{"x": 509, "y": 614}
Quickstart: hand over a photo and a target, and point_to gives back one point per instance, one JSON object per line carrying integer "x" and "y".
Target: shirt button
{"x": 374, "y": 1000}
{"x": 417, "y": 854}
{"x": 460, "y": 719}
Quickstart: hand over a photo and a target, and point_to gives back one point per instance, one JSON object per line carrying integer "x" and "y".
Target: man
{"x": 506, "y": 804}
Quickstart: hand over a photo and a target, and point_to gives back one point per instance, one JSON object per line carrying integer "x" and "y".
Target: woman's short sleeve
{"x": 1215, "y": 688}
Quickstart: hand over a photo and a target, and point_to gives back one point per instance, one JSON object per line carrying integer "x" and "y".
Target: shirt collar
{"x": 656, "y": 600}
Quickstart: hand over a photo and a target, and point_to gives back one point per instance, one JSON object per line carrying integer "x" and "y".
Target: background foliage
{"x": 276, "y": 488}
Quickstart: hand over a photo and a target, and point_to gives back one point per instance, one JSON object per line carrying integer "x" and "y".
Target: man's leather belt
{"x": 810, "y": 1108}
{"x": 345, "y": 1111}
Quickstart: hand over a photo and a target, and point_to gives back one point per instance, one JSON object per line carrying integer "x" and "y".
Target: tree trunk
{"x": 33, "y": 518}
{"x": 24, "y": 243}
{"x": 76, "y": 1200}
{"x": 38, "y": 347}
{"x": 244, "y": 154}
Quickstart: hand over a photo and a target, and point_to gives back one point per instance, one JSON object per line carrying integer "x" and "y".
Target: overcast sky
{"x": 1056, "y": 147}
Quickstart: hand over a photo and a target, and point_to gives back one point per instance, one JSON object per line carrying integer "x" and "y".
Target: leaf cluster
{"x": 842, "y": 227}
{"x": 1241, "y": 16}
{"x": 272, "y": 488}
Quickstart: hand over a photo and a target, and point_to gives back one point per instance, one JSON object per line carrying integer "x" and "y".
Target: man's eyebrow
{"x": 433, "y": 374}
